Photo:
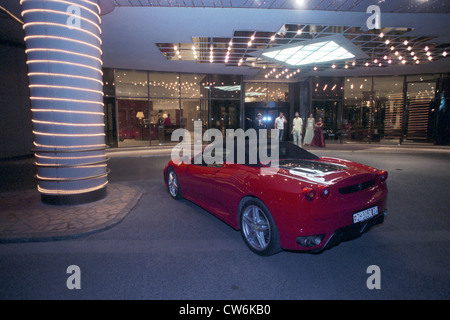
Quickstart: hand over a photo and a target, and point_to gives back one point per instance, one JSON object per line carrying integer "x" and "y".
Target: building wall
{"x": 16, "y": 137}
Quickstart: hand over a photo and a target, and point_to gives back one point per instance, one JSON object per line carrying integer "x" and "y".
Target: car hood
{"x": 326, "y": 170}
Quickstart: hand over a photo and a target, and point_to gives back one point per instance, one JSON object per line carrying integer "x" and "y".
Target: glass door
{"x": 419, "y": 96}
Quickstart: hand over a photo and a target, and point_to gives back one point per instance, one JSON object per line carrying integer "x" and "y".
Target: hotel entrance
{"x": 268, "y": 117}
{"x": 269, "y": 99}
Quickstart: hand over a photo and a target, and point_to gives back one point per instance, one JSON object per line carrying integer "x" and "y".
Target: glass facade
{"x": 151, "y": 105}
{"x": 389, "y": 108}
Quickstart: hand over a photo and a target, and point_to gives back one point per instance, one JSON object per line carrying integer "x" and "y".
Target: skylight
{"x": 316, "y": 52}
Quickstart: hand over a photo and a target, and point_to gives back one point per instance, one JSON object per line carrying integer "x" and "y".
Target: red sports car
{"x": 298, "y": 202}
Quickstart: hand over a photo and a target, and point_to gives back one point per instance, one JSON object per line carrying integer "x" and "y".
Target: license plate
{"x": 365, "y": 214}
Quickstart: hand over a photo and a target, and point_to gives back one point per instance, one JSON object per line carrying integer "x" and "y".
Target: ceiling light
{"x": 272, "y": 37}
{"x": 426, "y": 48}
{"x": 387, "y": 42}
{"x": 405, "y": 42}
{"x": 299, "y": 31}
{"x": 381, "y": 34}
{"x": 315, "y": 51}
{"x": 444, "y": 53}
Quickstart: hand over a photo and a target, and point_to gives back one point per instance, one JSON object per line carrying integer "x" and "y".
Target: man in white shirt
{"x": 297, "y": 129}
{"x": 279, "y": 126}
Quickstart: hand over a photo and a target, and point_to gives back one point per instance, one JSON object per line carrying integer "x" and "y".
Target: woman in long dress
{"x": 318, "y": 140}
{"x": 310, "y": 124}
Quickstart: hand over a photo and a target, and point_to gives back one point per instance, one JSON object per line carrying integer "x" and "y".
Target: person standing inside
{"x": 279, "y": 126}
{"x": 297, "y": 129}
{"x": 310, "y": 125}
{"x": 257, "y": 124}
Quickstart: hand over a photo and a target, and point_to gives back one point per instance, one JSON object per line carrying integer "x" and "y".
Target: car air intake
{"x": 357, "y": 187}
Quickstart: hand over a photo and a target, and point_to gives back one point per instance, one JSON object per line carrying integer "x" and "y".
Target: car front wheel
{"x": 258, "y": 228}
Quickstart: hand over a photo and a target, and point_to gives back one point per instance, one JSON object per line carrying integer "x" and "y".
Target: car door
{"x": 229, "y": 183}
{"x": 201, "y": 181}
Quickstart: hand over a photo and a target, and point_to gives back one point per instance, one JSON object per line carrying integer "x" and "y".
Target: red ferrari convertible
{"x": 298, "y": 202}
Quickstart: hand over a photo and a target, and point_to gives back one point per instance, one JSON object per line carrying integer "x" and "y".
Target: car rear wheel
{"x": 258, "y": 228}
{"x": 173, "y": 184}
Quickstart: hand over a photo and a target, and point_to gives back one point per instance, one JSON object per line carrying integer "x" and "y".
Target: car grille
{"x": 357, "y": 187}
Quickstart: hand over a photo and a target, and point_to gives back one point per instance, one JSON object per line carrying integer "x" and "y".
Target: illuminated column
{"x": 65, "y": 72}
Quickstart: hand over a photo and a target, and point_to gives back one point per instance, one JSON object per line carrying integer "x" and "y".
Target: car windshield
{"x": 254, "y": 155}
{"x": 287, "y": 151}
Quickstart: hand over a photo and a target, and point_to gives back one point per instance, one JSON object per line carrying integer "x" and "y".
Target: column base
{"x": 74, "y": 199}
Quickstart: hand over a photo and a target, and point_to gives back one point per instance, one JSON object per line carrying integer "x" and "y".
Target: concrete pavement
{"x": 25, "y": 218}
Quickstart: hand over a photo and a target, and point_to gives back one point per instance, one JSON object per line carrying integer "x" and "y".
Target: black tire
{"x": 258, "y": 229}
{"x": 173, "y": 184}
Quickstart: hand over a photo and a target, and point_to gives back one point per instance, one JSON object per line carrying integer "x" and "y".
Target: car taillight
{"x": 383, "y": 175}
{"x": 309, "y": 193}
{"x": 324, "y": 191}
